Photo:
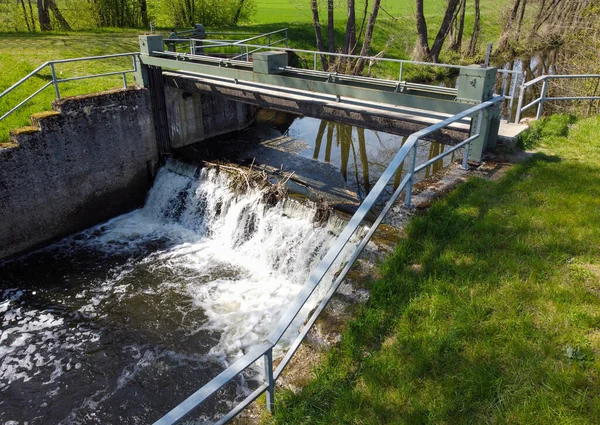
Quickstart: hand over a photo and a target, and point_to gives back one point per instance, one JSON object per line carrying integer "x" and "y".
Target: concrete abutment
{"x": 94, "y": 157}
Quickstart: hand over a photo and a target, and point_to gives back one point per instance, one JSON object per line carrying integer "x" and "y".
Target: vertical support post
{"x": 314, "y": 61}
{"x": 514, "y": 82}
{"x": 488, "y": 54}
{"x": 148, "y": 44}
{"x": 124, "y": 80}
{"x": 268, "y": 358}
{"x": 411, "y": 180}
{"x": 269, "y": 40}
{"x": 400, "y": 76}
{"x": 540, "y": 108}
{"x": 247, "y": 56}
{"x": 286, "y": 38}
{"x": 475, "y": 85}
{"x": 465, "y": 160}
{"x": 520, "y": 103}
{"x": 54, "y": 80}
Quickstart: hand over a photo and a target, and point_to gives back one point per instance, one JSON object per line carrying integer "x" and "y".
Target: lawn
{"x": 489, "y": 309}
{"x": 22, "y": 53}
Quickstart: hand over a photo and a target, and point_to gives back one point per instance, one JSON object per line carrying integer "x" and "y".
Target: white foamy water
{"x": 176, "y": 290}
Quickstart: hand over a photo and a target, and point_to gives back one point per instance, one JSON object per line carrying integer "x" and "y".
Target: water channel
{"x": 119, "y": 323}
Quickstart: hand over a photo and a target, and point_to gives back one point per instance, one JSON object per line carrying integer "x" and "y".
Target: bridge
{"x": 266, "y": 80}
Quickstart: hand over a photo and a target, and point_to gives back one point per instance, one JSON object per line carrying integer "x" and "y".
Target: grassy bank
{"x": 22, "y": 53}
{"x": 489, "y": 310}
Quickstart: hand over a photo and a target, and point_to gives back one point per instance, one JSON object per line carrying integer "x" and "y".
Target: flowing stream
{"x": 121, "y": 322}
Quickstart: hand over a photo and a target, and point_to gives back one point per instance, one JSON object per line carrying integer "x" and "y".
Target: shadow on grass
{"x": 475, "y": 311}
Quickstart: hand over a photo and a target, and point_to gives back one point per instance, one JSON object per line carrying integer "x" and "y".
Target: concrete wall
{"x": 194, "y": 117}
{"x": 88, "y": 161}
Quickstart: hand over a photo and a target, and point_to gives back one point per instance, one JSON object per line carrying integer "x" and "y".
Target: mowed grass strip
{"x": 489, "y": 310}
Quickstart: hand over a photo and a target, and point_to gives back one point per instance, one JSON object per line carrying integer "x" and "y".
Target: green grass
{"x": 489, "y": 309}
{"x": 20, "y": 53}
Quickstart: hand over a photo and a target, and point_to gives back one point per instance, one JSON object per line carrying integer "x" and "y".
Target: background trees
{"x": 47, "y": 15}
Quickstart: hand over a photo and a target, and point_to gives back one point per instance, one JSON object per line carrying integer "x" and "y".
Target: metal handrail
{"x": 230, "y": 43}
{"x": 508, "y": 88}
{"x": 543, "y": 98}
{"x": 55, "y": 81}
{"x": 265, "y": 349}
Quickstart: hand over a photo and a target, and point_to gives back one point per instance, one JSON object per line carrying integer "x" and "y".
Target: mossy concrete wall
{"x": 89, "y": 160}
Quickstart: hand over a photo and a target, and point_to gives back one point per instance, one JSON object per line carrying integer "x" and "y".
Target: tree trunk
{"x": 362, "y": 24}
{"x": 25, "y": 16}
{"x": 31, "y": 15}
{"x": 436, "y": 48}
{"x": 44, "y": 15}
{"x": 457, "y": 40}
{"x": 330, "y": 28}
{"x": 503, "y": 41}
{"x": 475, "y": 36}
{"x": 62, "y": 22}
{"x": 350, "y": 41}
{"x": 144, "y": 13}
{"x": 364, "y": 51}
{"x": 421, "y": 51}
{"x": 318, "y": 35}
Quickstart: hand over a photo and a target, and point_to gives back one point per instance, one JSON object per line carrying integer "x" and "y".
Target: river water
{"x": 121, "y": 322}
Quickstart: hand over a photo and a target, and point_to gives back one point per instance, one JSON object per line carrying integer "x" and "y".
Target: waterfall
{"x": 153, "y": 303}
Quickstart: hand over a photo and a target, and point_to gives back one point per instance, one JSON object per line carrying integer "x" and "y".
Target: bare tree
{"x": 44, "y": 15}
{"x": 319, "y": 37}
{"x": 62, "y": 22}
{"x": 350, "y": 40}
{"x": 330, "y": 28}
{"x": 31, "y": 15}
{"x": 459, "y": 28}
{"x": 476, "y": 29}
{"x": 422, "y": 50}
{"x": 25, "y": 16}
{"x": 364, "y": 51}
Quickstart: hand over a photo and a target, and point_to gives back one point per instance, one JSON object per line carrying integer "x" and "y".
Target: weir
{"x": 206, "y": 282}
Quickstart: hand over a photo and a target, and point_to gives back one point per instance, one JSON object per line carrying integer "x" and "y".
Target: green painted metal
{"x": 476, "y": 84}
{"x": 269, "y": 62}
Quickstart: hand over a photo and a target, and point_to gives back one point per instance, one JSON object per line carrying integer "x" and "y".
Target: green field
{"x": 489, "y": 310}
{"x": 20, "y": 53}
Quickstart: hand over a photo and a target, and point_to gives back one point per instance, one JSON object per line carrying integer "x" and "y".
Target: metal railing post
{"x": 465, "y": 160}
{"x": 270, "y": 393}
{"x": 400, "y": 76}
{"x": 411, "y": 180}
{"x": 315, "y": 61}
{"x": 269, "y": 40}
{"x": 286, "y": 38}
{"x": 520, "y": 104}
{"x": 124, "y": 81}
{"x": 540, "y": 108}
{"x": 54, "y": 80}
{"x": 247, "y": 57}
{"x": 514, "y": 82}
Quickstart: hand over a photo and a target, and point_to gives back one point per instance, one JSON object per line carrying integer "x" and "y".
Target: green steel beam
{"x": 365, "y": 91}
